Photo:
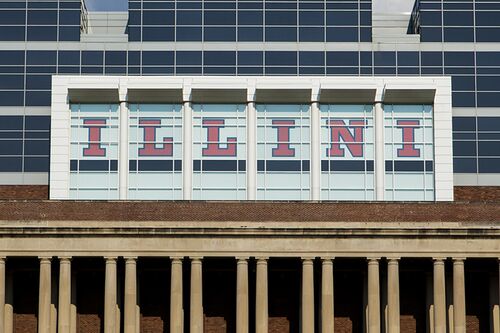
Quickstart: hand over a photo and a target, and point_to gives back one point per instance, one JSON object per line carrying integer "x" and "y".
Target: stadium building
{"x": 267, "y": 166}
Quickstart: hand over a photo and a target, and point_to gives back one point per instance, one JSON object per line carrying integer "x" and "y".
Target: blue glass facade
{"x": 52, "y": 20}
{"x": 24, "y": 143}
{"x": 459, "y": 20}
{"x": 25, "y": 75}
{"x": 272, "y": 32}
{"x": 250, "y": 21}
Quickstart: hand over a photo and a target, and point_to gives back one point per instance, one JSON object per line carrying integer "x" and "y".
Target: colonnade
{"x": 196, "y": 325}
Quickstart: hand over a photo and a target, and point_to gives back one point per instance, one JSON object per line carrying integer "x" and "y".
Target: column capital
{"x": 242, "y": 259}
{"x": 3, "y": 259}
{"x": 308, "y": 261}
{"x": 393, "y": 260}
{"x": 130, "y": 260}
{"x": 45, "y": 260}
{"x": 438, "y": 260}
{"x": 111, "y": 259}
{"x": 265, "y": 259}
{"x": 458, "y": 260}
{"x": 196, "y": 260}
{"x": 65, "y": 259}
{"x": 373, "y": 260}
{"x": 307, "y": 258}
{"x": 176, "y": 259}
{"x": 327, "y": 260}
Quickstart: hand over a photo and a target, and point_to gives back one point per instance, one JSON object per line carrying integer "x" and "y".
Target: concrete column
{"x": 64, "y": 307}
{"x": 495, "y": 302}
{"x": 373, "y": 296}
{"x": 187, "y": 145}
{"x": 261, "y": 297}
{"x": 439, "y": 296}
{"x": 119, "y": 302}
{"x": 2, "y": 292}
{"x": 110, "y": 297}
{"x": 251, "y": 150}
{"x": 379, "y": 152}
{"x": 448, "y": 280}
{"x": 130, "y": 295}
{"x": 315, "y": 151}
{"x": 176, "y": 307}
{"x": 365, "y": 303}
{"x": 393, "y": 295}
{"x": 123, "y": 166}
{"x": 458, "y": 295}
{"x": 196, "y": 300}
{"x": 53, "y": 303}
{"x": 327, "y": 294}
{"x": 44, "y": 298}
{"x": 73, "y": 310}
{"x": 307, "y": 295}
{"x": 429, "y": 303}
{"x": 9, "y": 302}
{"x": 242, "y": 295}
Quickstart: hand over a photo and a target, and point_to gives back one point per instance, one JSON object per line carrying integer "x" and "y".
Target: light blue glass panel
{"x": 94, "y": 150}
{"x": 219, "y": 151}
{"x": 409, "y": 152}
{"x": 347, "y": 152}
{"x": 283, "y": 151}
{"x": 155, "y": 151}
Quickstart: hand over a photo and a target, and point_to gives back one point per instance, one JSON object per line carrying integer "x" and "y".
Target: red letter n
{"x": 340, "y": 131}
{"x": 150, "y": 149}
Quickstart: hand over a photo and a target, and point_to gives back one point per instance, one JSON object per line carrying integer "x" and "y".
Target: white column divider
{"x": 187, "y": 145}
{"x": 251, "y": 144}
{"x": 315, "y": 144}
{"x": 379, "y": 148}
{"x": 123, "y": 164}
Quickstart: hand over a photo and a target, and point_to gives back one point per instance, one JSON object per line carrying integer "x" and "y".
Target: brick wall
{"x": 152, "y": 324}
{"x": 279, "y": 325}
{"x": 24, "y": 192}
{"x": 25, "y": 323}
{"x": 248, "y": 211}
{"x": 343, "y": 325}
{"x": 477, "y": 193}
{"x": 88, "y": 323}
{"x": 472, "y": 324}
{"x": 215, "y": 325}
{"x": 408, "y": 324}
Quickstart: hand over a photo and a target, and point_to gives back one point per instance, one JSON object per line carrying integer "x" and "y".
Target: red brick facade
{"x": 343, "y": 325}
{"x": 477, "y": 193}
{"x": 248, "y": 211}
{"x": 472, "y": 324}
{"x": 24, "y": 192}
{"x": 150, "y": 324}
{"x": 25, "y": 323}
